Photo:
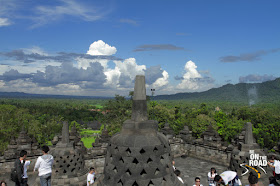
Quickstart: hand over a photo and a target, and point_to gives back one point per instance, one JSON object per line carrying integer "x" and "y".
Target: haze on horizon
{"x": 93, "y": 48}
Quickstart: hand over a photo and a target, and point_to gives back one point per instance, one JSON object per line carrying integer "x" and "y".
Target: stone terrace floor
{"x": 192, "y": 167}
{"x": 189, "y": 167}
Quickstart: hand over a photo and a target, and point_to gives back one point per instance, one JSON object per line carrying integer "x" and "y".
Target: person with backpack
{"x": 44, "y": 165}
{"x": 21, "y": 169}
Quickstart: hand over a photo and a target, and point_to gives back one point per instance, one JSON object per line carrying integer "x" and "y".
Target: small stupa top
{"x": 139, "y": 107}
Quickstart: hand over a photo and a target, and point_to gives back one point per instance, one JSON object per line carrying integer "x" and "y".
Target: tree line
{"x": 42, "y": 118}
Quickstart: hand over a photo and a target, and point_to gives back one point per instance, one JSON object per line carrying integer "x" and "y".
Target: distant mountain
{"x": 25, "y": 95}
{"x": 251, "y": 93}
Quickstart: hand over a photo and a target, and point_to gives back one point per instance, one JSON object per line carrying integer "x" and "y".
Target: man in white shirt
{"x": 275, "y": 164}
{"x": 44, "y": 165}
{"x": 90, "y": 176}
{"x": 228, "y": 177}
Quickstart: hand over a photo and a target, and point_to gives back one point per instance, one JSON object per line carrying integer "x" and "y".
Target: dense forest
{"x": 42, "y": 118}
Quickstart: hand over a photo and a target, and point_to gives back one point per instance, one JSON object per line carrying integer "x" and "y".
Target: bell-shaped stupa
{"x": 139, "y": 155}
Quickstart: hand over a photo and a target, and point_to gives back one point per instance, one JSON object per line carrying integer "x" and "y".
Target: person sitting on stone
{"x": 211, "y": 176}
{"x": 90, "y": 176}
{"x": 253, "y": 180}
{"x": 228, "y": 177}
{"x": 178, "y": 173}
{"x": 197, "y": 182}
{"x": 275, "y": 164}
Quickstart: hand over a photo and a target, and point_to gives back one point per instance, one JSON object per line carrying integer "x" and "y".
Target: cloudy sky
{"x": 95, "y": 48}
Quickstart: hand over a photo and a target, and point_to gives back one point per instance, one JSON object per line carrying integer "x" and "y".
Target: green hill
{"x": 242, "y": 92}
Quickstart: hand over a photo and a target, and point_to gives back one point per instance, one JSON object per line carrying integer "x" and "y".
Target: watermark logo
{"x": 255, "y": 160}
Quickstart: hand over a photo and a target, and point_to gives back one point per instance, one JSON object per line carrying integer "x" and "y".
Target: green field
{"x": 87, "y": 137}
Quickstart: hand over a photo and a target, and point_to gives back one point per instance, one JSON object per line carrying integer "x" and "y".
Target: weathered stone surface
{"x": 139, "y": 155}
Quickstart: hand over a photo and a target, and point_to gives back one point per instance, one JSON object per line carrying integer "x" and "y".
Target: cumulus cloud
{"x": 254, "y": 78}
{"x": 101, "y": 48}
{"x": 153, "y": 73}
{"x": 13, "y": 75}
{"x": 76, "y": 73}
{"x": 254, "y": 56}
{"x": 162, "y": 81}
{"x": 192, "y": 80}
{"x": 66, "y": 74}
{"x": 157, "y": 47}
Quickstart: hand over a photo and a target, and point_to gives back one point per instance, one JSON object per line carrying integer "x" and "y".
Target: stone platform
{"x": 189, "y": 167}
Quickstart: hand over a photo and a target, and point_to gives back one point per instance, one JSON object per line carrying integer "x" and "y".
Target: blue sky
{"x": 96, "y": 48}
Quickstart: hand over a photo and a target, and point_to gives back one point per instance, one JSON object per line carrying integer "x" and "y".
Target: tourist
{"x": 3, "y": 183}
{"x": 178, "y": 173}
{"x": 253, "y": 180}
{"x": 275, "y": 164}
{"x": 197, "y": 182}
{"x": 273, "y": 182}
{"x": 228, "y": 177}
{"x": 21, "y": 169}
{"x": 44, "y": 165}
{"x": 90, "y": 176}
{"x": 173, "y": 165}
{"x": 211, "y": 176}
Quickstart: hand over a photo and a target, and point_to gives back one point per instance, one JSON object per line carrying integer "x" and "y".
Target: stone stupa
{"x": 139, "y": 155}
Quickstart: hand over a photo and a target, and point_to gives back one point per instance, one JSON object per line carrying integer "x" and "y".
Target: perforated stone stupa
{"x": 68, "y": 167}
{"x": 139, "y": 155}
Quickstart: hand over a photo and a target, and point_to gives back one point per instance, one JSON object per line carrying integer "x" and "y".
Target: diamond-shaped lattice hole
{"x": 121, "y": 160}
{"x": 149, "y": 160}
{"x": 162, "y": 159}
{"x": 163, "y": 179}
{"x": 135, "y": 161}
{"x": 128, "y": 151}
{"x": 128, "y": 172}
{"x": 135, "y": 184}
{"x": 72, "y": 170}
{"x": 142, "y": 151}
{"x": 71, "y": 160}
{"x": 157, "y": 171}
{"x": 115, "y": 169}
{"x": 64, "y": 161}
{"x": 116, "y": 148}
{"x": 155, "y": 149}
{"x": 64, "y": 171}
{"x": 120, "y": 181}
{"x": 68, "y": 165}
{"x": 143, "y": 173}
{"x": 60, "y": 166}
{"x": 151, "y": 183}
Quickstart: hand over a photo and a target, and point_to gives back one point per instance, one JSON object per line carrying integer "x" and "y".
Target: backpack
{"x": 14, "y": 174}
{"x": 14, "y": 177}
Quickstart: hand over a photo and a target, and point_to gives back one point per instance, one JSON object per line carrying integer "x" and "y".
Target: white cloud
{"x": 101, "y": 48}
{"x": 5, "y": 22}
{"x": 160, "y": 82}
{"x": 192, "y": 80}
